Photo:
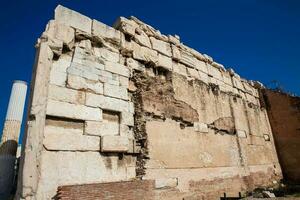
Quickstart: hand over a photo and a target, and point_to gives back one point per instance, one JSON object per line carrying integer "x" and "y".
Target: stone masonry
{"x": 128, "y": 103}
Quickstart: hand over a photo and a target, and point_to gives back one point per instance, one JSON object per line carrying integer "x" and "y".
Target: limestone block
{"x": 203, "y": 77}
{"x": 227, "y": 78}
{"x": 111, "y": 143}
{"x": 107, "y": 55}
{"x": 79, "y": 83}
{"x": 164, "y": 62}
{"x": 193, "y": 73}
{"x": 133, "y": 64}
{"x": 58, "y": 78}
{"x": 62, "y": 64}
{"x": 124, "y": 81}
{"x": 174, "y": 40}
{"x": 141, "y": 38}
{"x": 241, "y": 133}
{"x": 161, "y": 46}
{"x": 125, "y": 25}
{"x": 73, "y": 18}
{"x": 109, "y": 78}
{"x": 55, "y": 45}
{"x": 108, "y": 33}
{"x": 66, "y": 95}
{"x": 165, "y": 183}
{"x": 200, "y": 127}
{"x": 237, "y": 83}
{"x": 58, "y": 71}
{"x": 144, "y": 54}
{"x": 84, "y": 71}
{"x": 126, "y": 131}
{"x": 248, "y": 87}
{"x": 115, "y": 91}
{"x": 214, "y": 72}
{"x": 73, "y": 111}
{"x": 208, "y": 58}
{"x": 69, "y": 139}
{"x": 201, "y": 66}
{"x": 176, "y": 55}
{"x": 117, "y": 68}
{"x": 61, "y": 32}
{"x": 101, "y": 128}
{"x": 179, "y": 68}
{"x": 106, "y": 103}
{"x": 197, "y": 54}
{"x": 218, "y": 65}
{"x": 188, "y": 59}
{"x": 127, "y": 118}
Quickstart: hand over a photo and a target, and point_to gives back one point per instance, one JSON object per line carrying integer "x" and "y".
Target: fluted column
{"x": 10, "y": 137}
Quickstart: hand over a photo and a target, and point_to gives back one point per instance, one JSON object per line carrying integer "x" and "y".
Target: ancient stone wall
{"x": 127, "y": 102}
{"x": 284, "y": 114}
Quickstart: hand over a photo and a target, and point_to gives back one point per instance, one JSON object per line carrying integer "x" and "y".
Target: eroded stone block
{"x": 106, "y": 32}
{"x": 66, "y": 95}
{"x": 101, "y": 128}
{"x": 161, "y": 46}
{"x": 115, "y": 91}
{"x": 117, "y": 68}
{"x": 80, "y": 83}
{"x": 107, "y": 103}
{"x": 73, "y": 111}
{"x": 73, "y": 18}
{"x": 59, "y": 138}
{"x": 111, "y": 143}
{"x": 164, "y": 62}
{"x": 200, "y": 127}
{"x": 241, "y": 133}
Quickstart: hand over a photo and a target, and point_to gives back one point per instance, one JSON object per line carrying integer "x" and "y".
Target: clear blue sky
{"x": 260, "y": 39}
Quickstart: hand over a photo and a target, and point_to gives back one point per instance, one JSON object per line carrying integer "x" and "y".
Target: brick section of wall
{"x": 125, "y": 190}
{"x": 284, "y": 115}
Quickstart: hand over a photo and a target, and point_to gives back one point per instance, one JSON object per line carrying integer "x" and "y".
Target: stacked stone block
{"x": 83, "y": 108}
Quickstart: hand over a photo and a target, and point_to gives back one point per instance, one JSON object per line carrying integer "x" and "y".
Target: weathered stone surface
{"x": 101, "y": 128}
{"x": 115, "y": 91}
{"x": 107, "y": 103}
{"x": 188, "y": 59}
{"x": 126, "y": 26}
{"x": 176, "y": 55}
{"x": 84, "y": 71}
{"x": 79, "y": 83}
{"x": 141, "y": 38}
{"x": 73, "y": 111}
{"x": 200, "y": 127}
{"x": 111, "y": 143}
{"x": 106, "y": 54}
{"x": 133, "y": 64}
{"x": 164, "y": 62}
{"x": 103, "y": 31}
{"x": 117, "y": 68}
{"x": 165, "y": 183}
{"x": 174, "y": 39}
{"x": 66, "y": 95}
{"x": 127, "y": 118}
{"x": 161, "y": 46}
{"x": 73, "y": 18}
{"x": 145, "y": 54}
{"x": 69, "y": 139}
{"x": 61, "y": 32}
{"x": 241, "y": 133}
{"x": 193, "y": 73}
{"x": 179, "y": 68}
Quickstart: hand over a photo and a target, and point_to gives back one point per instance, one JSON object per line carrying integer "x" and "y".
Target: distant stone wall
{"x": 284, "y": 114}
{"x": 139, "y": 189}
{"x": 124, "y": 103}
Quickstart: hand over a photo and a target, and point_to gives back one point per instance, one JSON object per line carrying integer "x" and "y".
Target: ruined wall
{"x": 284, "y": 114}
{"x": 124, "y": 103}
